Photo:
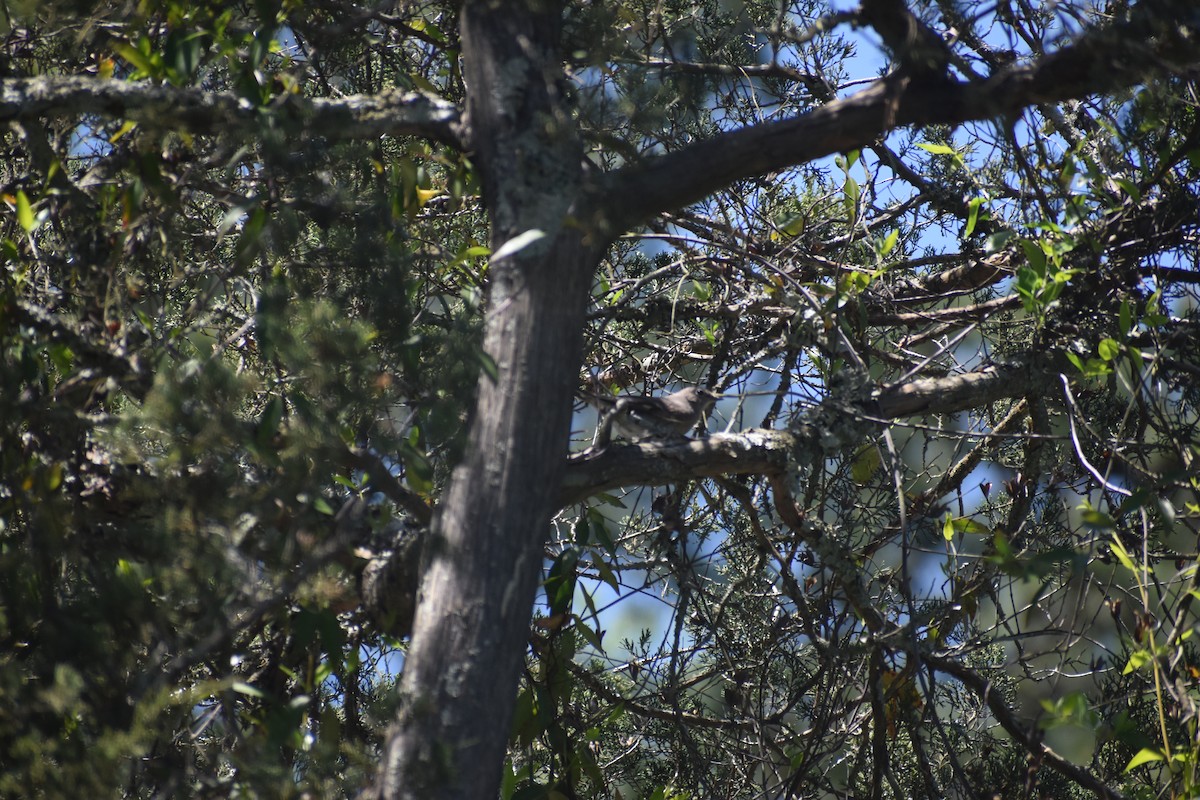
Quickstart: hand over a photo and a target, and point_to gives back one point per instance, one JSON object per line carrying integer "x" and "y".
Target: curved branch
{"x": 1160, "y": 38}
{"x": 353, "y": 117}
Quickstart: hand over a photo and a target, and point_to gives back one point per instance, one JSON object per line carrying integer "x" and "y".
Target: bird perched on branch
{"x": 667, "y": 417}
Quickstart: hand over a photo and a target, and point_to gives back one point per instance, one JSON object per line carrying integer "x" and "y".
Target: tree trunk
{"x": 460, "y": 677}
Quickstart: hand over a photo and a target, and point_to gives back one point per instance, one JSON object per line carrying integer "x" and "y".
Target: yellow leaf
{"x": 25, "y": 212}
{"x": 124, "y": 129}
{"x": 55, "y": 477}
{"x": 425, "y": 195}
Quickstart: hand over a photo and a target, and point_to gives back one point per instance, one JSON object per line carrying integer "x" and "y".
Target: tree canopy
{"x": 305, "y": 304}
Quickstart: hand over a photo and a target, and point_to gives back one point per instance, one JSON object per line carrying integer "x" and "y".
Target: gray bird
{"x": 667, "y": 417}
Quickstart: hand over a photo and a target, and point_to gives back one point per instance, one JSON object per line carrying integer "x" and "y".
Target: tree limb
{"x": 1160, "y": 38}
{"x": 750, "y": 452}
{"x": 766, "y": 452}
{"x": 197, "y": 111}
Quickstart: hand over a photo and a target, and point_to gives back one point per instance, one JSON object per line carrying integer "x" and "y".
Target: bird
{"x": 666, "y": 417}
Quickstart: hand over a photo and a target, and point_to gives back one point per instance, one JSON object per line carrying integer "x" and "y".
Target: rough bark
{"x": 460, "y": 677}
{"x": 199, "y": 111}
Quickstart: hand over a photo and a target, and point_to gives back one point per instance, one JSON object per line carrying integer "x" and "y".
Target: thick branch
{"x": 354, "y": 117}
{"x": 1162, "y": 38}
{"x": 755, "y": 452}
{"x": 959, "y": 392}
{"x": 765, "y": 452}
{"x": 913, "y": 44}
{"x": 954, "y": 314}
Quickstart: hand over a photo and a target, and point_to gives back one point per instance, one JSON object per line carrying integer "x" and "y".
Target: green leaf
{"x": 488, "y": 365}
{"x": 1028, "y": 283}
{"x": 853, "y": 193}
{"x": 268, "y": 422}
{"x": 1050, "y": 293}
{"x": 431, "y": 29}
{"x": 1035, "y": 256}
{"x": 1072, "y": 709}
{"x": 937, "y": 149}
{"x": 1144, "y": 756}
{"x": 998, "y": 241}
{"x": 142, "y": 61}
{"x": 1126, "y": 320}
{"x": 580, "y": 530}
{"x": 884, "y": 247}
{"x": 791, "y": 224}
{"x": 25, "y": 212}
{"x": 599, "y": 530}
{"x": 9, "y": 251}
{"x": 972, "y": 526}
{"x": 972, "y": 215}
{"x": 1118, "y": 550}
{"x": 54, "y": 477}
{"x": 1136, "y": 359}
{"x": 508, "y": 783}
{"x": 605, "y": 573}
{"x": 1108, "y": 349}
{"x": 866, "y": 462}
{"x": 854, "y": 282}
{"x": 524, "y": 722}
{"x": 953, "y": 525}
{"x": 182, "y": 53}
{"x": 1130, "y": 188}
{"x": 417, "y": 469}
{"x": 534, "y": 791}
{"x": 1094, "y": 518}
{"x": 1139, "y": 499}
{"x": 590, "y": 636}
{"x": 560, "y": 583}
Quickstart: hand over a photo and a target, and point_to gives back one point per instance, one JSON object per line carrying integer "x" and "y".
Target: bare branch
{"x": 353, "y": 117}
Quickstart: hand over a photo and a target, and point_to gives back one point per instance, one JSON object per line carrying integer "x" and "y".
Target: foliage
{"x": 219, "y": 345}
